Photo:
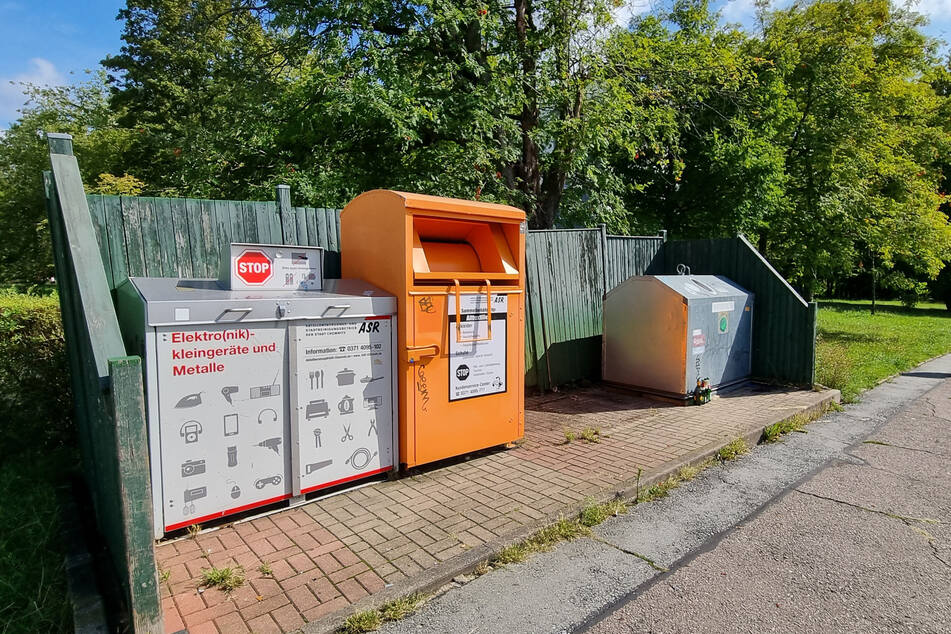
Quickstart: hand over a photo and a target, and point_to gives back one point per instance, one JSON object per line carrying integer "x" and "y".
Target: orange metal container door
{"x": 445, "y": 428}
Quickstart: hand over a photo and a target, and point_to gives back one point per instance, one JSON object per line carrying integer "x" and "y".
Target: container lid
{"x": 172, "y": 301}
{"x": 702, "y": 286}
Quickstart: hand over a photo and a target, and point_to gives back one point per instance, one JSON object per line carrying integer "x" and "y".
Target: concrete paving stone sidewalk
{"x": 350, "y": 551}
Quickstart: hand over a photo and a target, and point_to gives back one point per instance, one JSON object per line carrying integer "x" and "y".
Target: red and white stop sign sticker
{"x": 253, "y": 267}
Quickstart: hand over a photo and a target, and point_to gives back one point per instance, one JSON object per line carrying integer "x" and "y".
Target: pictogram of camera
{"x": 193, "y": 467}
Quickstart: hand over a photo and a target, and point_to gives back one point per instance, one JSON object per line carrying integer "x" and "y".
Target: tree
{"x": 857, "y": 128}
{"x": 198, "y": 81}
{"x": 694, "y": 154}
{"x": 99, "y": 143}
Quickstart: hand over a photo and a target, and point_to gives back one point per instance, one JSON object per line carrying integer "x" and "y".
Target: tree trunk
{"x": 527, "y": 168}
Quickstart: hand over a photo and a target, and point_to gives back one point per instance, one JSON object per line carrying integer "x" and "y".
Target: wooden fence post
{"x": 282, "y": 194}
{"x": 811, "y": 326}
{"x": 132, "y": 452}
{"x": 604, "y": 260}
{"x": 109, "y": 393}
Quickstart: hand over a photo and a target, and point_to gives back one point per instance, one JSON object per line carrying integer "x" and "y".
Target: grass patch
{"x": 797, "y": 423}
{"x": 660, "y": 490}
{"x": 876, "y": 442}
{"x": 856, "y": 349}
{"x": 32, "y": 580}
{"x": 371, "y": 620}
{"x": 732, "y": 451}
{"x": 774, "y": 432}
{"x": 402, "y": 607}
{"x": 265, "y": 569}
{"x": 594, "y": 514}
{"x": 563, "y": 530}
{"x": 689, "y": 472}
{"x": 512, "y": 554}
{"x": 226, "y": 579}
{"x": 366, "y": 621}
{"x": 570, "y": 436}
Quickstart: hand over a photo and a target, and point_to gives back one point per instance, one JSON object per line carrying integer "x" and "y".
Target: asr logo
{"x": 370, "y": 326}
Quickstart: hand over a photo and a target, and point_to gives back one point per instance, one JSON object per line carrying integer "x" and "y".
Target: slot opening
{"x": 444, "y": 250}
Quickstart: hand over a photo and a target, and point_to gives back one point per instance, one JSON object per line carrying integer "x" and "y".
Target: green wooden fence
{"x": 569, "y": 271}
{"x": 784, "y": 324}
{"x": 108, "y": 393}
{"x": 183, "y": 237}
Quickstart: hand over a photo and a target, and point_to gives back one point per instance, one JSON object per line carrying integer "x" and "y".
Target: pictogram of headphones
{"x": 261, "y": 415}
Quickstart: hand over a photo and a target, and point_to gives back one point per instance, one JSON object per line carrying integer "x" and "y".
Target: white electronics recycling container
{"x": 257, "y": 396}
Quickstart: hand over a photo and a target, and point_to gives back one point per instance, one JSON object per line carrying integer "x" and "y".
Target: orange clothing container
{"x": 461, "y": 367}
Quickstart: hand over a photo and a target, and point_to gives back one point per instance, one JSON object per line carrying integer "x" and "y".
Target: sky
{"x": 54, "y": 42}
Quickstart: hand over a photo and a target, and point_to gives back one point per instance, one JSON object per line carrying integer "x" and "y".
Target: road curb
{"x": 433, "y": 579}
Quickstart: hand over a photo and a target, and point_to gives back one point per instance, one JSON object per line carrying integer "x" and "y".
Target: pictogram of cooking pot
{"x": 345, "y": 377}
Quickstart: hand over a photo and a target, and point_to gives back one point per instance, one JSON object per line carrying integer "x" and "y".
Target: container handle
{"x": 488, "y": 312}
{"x": 341, "y": 307}
{"x": 241, "y": 314}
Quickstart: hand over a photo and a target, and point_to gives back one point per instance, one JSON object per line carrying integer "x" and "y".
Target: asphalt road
{"x": 822, "y": 532}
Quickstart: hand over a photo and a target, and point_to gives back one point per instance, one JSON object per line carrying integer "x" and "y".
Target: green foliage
{"x": 543, "y": 540}
{"x": 35, "y": 401}
{"x": 593, "y": 514}
{"x": 861, "y": 128}
{"x": 824, "y": 136}
{"x": 862, "y": 349}
{"x": 99, "y": 144}
{"x": 112, "y": 185}
{"x": 400, "y": 608}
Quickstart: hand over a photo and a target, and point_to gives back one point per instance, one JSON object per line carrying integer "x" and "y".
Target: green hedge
{"x": 35, "y": 401}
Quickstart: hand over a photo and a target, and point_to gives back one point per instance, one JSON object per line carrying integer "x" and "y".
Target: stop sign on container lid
{"x": 253, "y": 267}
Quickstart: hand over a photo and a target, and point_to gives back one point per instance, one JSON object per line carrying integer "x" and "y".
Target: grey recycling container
{"x": 257, "y": 396}
{"x": 664, "y": 332}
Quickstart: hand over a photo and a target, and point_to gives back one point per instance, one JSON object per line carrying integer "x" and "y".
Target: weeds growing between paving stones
{"x": 226, "y": 579}
{"x": 688, "y": 472}
{"x": 265, "y": 569}
{"x": 591, "y": 434}
{"x": 193, "y": 530}
{"x": 774, "y": 432}
{"x": 164, "y": 575}
{"x": 569, "y": 436}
